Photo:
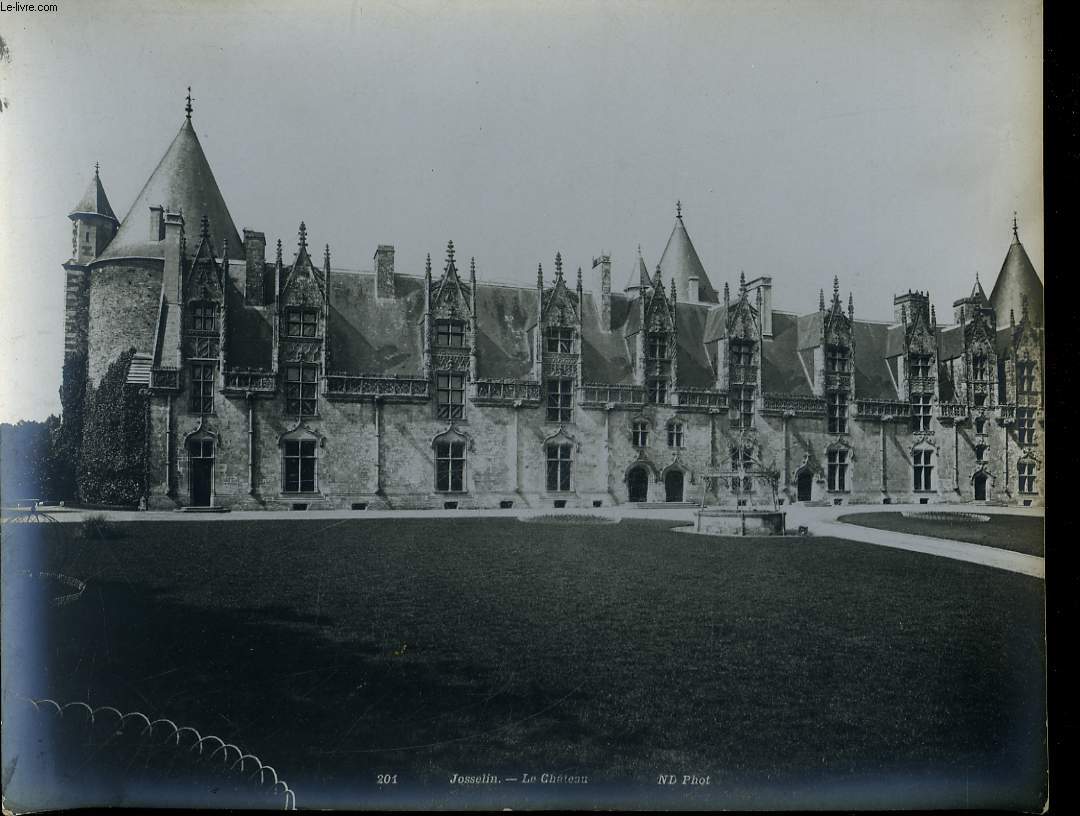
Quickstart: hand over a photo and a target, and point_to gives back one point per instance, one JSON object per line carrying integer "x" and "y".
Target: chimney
{"x": 384, "y": 271}
{"x": 255, "y": 274}
{"x": 157, "y": 223}
{"x": 173, "y": 229}
{"x": 604, "y": 262}
{"x": 910, "y": 305}
{"x": 764, "y": 286}
{"x": 693, "y": 289}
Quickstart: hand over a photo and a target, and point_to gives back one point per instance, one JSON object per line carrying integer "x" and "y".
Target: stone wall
{"x": 123, "y": 307}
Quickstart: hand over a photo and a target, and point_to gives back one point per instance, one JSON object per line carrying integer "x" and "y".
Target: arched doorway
{"x": 637, "y": 484}
{"x": 804, "y": 485}
{"x": 979, "y": 481}
{"x": 673, "y": 486}
{"x": 201, "y": 458}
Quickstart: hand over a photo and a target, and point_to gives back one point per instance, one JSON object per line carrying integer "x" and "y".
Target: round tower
{"x": 134, "y": 278}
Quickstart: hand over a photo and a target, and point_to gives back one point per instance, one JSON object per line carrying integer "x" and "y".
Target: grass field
{"x": 340, "y": 649}
{"x": 1023, "y": 534}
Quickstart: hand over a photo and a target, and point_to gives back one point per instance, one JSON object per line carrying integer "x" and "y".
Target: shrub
{"x": 97, "y": 527}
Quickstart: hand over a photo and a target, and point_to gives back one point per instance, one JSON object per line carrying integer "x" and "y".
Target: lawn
{"x": 792, "y": 671}
{"x": 1023, "y": 534}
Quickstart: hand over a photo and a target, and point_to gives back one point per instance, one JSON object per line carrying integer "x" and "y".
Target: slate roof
{"x": 182, "y": 181}
{"x": 1016, "y": 279}
{"x": 680, "y": 262}
{"x": 639, "y": 273}
{"x": 94, "y": 201}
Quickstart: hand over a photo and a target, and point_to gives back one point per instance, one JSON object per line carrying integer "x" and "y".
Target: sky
{"x": 888, "y": 143}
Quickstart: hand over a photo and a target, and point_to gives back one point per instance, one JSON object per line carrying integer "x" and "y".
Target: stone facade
{"x": 276, "y": 385}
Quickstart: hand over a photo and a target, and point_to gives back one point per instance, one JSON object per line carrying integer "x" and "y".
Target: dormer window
{"x": 920, "y": 366}
{"x": 302, "y": 323}
{"x": 559, "y": 340}
{"x": 978, "y": 367}
{"x": 204, "y": 318}
{"x": 450, "y": 333}
{"x": 1025, "y": 377}
{"x": 742, "y": 362}
{"x": 656, "y": 347}
{"x": 837, "y": 359}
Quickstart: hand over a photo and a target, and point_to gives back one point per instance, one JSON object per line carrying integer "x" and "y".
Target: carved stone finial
{"x": 933, "y": 315}
{"x": 96, "y": 168}
{"x": 278, "y": 250}
{"x": 672, "y": 296}
{"x": 903, "y": 315}
{"x": 742, "y": 283}
{"x": 558, "y": 264}
{"x": 427, "y": 266}
{"x": 1023, "y": 307}
{"x": 1016, "y": 234}
{"x": 678, "y": 210}
{"x": 579, "y": 277}
{"x": 1012, "y": 318}
{"x": 449, "y": 253}
{"x": 188, "y": 107}
{"x": 303, "y": 235}
{"x": 204, "y": 227}
{"x": 836, "y": 287}
{"x": 540, "y": 275}
{"x": 472, "y": 269}
{"x": 850, "y": 304}
{"x": 821, "y": 300}
{"x": 326, "y": 256}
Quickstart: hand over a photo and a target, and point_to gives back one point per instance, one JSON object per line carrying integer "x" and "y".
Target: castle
{"x": 294, "y": 384}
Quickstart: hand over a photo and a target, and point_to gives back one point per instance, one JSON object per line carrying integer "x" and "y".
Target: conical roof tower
{"x": 680, "y": 262}
{"x": 94, "y": 201}
{"x": 1017, "y": 280}
{"x": 182, "y": 181}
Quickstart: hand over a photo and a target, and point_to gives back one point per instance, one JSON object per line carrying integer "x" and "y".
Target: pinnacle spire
{"x": 558, "y": 264}
{"x": 278, "y": 259}
{"x": 742, "y": 282}
{"x": 449, "y": 254}
{"x": 204, "y": 228}
{"x": 187, "y": 107}
{"x": 579, "y": 277}
{"x": 678, "y": 210}
{"x": 850, "y": 304}
{"x": 97, "y": 167}
{"x": 1016, "y": 233}
{"x": 821, "y": 300}
{"x": 326, "y": 256}
{"x": 472, "y": 269}
{"x": 540, "y": 275}
{"x": 836, "y": 287}
{"x": 427, "y": 266}
{"x": 303, "y": 235}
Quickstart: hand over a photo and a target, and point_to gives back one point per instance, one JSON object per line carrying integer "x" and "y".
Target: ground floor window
{"x": 675, "y": 434}
{"x": 560, "y": 400}
{"x": 559, "y": 462}
{"x": 837, "y": 470}
{"x": 450, "y": 396}
{"x": 302, "y": 390}
{"x": 300, "y": 466}
{"x": 450, "y": 467}
{"x": 1026, "y": 471}
{"x": 202, "y": 388}
{"x": 923, "y": 467}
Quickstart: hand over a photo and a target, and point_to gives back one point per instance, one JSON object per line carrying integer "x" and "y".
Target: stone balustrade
{"x": 389, "y": 387}
{"x": 797, "y": 404}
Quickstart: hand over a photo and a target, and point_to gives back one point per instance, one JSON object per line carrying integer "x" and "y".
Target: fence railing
{"x": 167, "y": 379}
{"x": 505, "y": 392}
{"x": 686, "y": 397}
{"x": 800, "y": 405}
{"x": 598, "y": 395}
{"x": 879, "y": 409}
{"x": 250, "y": 380}
{"x": 355, "y": 387}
